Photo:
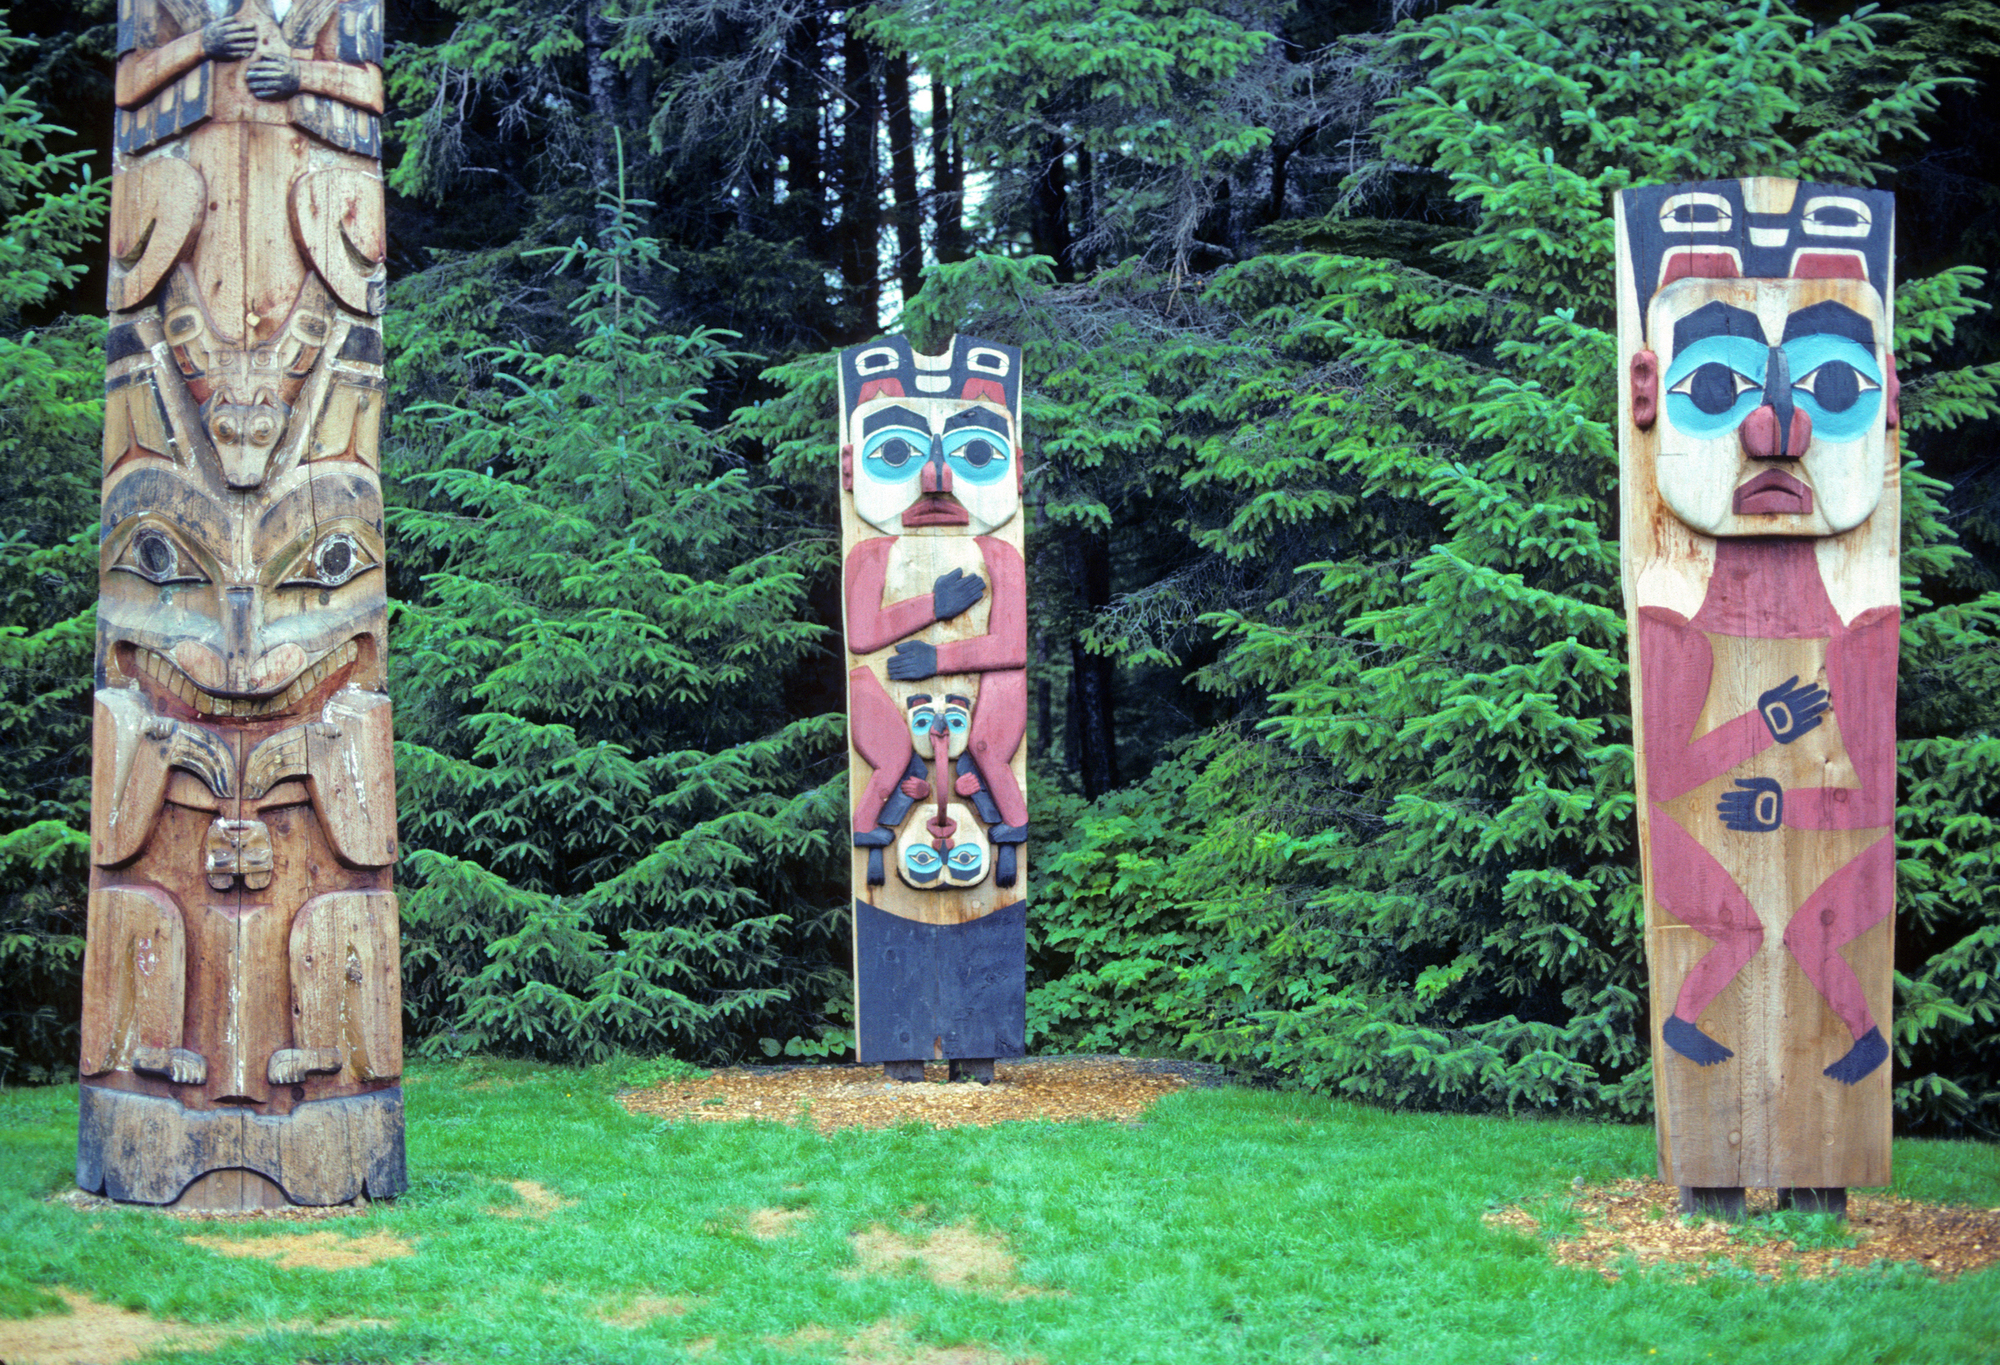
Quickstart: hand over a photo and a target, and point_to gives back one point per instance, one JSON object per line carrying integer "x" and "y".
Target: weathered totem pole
{"x": 1760, "y": 500}
{"x": 242, "y": 1024}
{"x": 937, "y": 652}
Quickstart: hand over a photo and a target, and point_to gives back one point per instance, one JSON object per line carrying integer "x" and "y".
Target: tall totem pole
{"x": 937, "y": 649}
{"x": 242, "y": 1024}
{"x": 1760, "y": 503}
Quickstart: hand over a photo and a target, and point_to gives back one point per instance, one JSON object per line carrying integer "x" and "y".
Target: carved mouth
{"x": 937, "y": 509}
{"x": 1774, "y": 492}
{"x": 168, "y": 678}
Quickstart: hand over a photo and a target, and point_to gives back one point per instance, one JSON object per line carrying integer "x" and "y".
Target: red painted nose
{"x": 937, "y": 477}
{"x": 1760, "y": 434}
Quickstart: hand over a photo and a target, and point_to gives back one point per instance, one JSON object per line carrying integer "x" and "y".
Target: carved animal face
{"x": 221, "y": 605}
{"x": 934, "y": 855}
{"x": 1774, "y": 404}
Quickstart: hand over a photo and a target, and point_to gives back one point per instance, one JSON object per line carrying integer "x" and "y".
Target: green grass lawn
{"x": 1232, "y": 1225}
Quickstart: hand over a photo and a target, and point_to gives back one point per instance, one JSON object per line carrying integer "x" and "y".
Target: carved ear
{"x": 1895, "y": 387}
{"x": 157, "y": 209}
{"x": 847, "y": 468}
{"x": 1645, "y": 389}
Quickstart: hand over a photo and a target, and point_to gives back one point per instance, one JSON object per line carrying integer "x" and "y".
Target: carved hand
{"x": 1790, "y": 710}
{"x": 914, "y": 660}
{"x": 273, "y": 77}
{"x": 177, "y": 1064}
{"x": 1758, "y": 808}
{"x": 229, "y": 40}
{"x": 955, "y": 592}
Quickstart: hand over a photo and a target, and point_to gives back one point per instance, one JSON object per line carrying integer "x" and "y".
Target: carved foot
{"x": 1684, "y": 1038}
{"x": 291, "y": 1065}
{"x": 1868, "y": 1052}
{"x": 177, "y": 1064}
{"x": 1006, "y": 865}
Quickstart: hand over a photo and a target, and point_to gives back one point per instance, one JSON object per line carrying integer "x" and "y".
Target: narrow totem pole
{"x": 242, "y": 1023}
{"x": 937, "y": 652}
{"x": 1760, "y": 500}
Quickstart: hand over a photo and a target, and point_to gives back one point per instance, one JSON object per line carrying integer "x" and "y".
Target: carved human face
{"x": 928, "y": 462}
{"x": 947, "y": 855}
{"x": 1774, "y": 404}
{"x": 221, "y": 605}
{"x": 931, "y": 715}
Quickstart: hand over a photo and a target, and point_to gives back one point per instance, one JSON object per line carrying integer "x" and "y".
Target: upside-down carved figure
{"x": 937, "y": 644}
{"x": 1760, "y": 548}
{"x": 242, "y": 1026}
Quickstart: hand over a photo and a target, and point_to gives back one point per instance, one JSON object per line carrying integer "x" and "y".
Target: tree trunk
{"x": 1049, "y": 229}
{"x": 948, "y": 176}
{"x": 602, "y": 79}
{"x": 860, "y": 184}
{"x": 903, "y": 175}
{"x": 1090, "y": 717}
{"x": 804, "y": 169}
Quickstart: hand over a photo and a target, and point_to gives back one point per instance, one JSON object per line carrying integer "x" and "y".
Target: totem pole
{"x": 937, "y": 652}
{"x": 242, "y": 1022}
{"x": 1760, "y": 498}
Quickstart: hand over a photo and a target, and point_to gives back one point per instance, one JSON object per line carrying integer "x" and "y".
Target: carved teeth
{"x": 171, "y": 679}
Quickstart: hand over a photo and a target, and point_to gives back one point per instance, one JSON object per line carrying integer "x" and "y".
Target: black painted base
{"x": 936, "y": 991}
{"x": 908, "y": 1072}
{"x": 1806, "y": 1199}
{"x": 1716, "y": 1201}
{"x": 972, "y": 1069}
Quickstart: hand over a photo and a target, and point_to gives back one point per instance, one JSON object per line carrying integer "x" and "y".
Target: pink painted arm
{"x": 871, "y": 625}
{"x": 882, "y": 737}
{"x": 1005, "y": 643}
{"x": 1676, "y": 664}
{"x": 1861, "y": 678}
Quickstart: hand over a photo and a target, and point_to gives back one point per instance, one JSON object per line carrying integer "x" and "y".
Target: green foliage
{"x": 51, "y": 413}
{"x": 616, "y": 837}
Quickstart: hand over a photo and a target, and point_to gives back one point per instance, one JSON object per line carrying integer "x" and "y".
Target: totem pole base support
{"x": 1714, "y": 1201}
{"x": 972, "y": 1069}
{"x": 231, "y": 1191}
{"x": 902, "y": 1071}
{"x": 1806, "y": 1200}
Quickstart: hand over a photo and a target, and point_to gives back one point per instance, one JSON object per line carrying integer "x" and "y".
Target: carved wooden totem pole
{"x": 242, "y": 1024}
{"x": 1760, "y": 503}
{"x": 937, "y": 652}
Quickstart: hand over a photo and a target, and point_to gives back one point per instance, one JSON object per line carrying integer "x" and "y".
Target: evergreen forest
{"x": 1329, "y": 721}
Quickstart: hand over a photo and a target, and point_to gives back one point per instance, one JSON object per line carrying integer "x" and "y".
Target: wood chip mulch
{"x": 1060, "y": 1089}
{"x": 1610, "y": 1228}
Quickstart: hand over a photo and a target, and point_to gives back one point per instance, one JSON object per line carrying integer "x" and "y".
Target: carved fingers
{"x": 956, "y": 592}
{"x": 291, "y": 1065}
{"x": 273, "y": 76}
{"x": 1791, "y": 710}
{"x": 915, "y": 660}
{"x": 229, "y": 40}
{"x": 177, "y": 1064}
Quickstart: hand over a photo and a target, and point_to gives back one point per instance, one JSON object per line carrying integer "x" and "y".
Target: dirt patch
{"x": 537, "y": 1200}
{"x": 829, "y": 1097}
{"x": 94, "y": 1333}
{"x": 312, "y": 1250}
{"x": 291, "y": 1213}
{"x": 1607, "y": 1228}
{"x": 957, "y": 1256}
{"x": 644, "y": 1309}
{"x": 889, "y": 1343}
{"x": 767, "y": 1225}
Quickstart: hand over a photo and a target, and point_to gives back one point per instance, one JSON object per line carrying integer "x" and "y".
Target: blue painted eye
{"x": 922, "y": 721}
{"x": 922, "y": 863}
{"x": 1714, "y": 384}
{"x": 895, "y": 454}
{"x": 967, "y": 858}
{"x": 1839, "y": 386}
{"x": 977, "y": 455}
{"x": 957, "y": 721}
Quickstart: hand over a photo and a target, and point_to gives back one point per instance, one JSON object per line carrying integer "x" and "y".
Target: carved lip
{"x": 168, "y": 680}
{"x": 1773, "y": 492}
{"x": 937, "y": 509}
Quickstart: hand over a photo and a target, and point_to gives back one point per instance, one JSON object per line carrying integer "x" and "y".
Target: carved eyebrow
{"x": 1830, "y": 318}
{"x": 1716, "y": 319}
{"x": 977, "y": 417}
{"x": 921, "y": 699}
{"x": 892, "y": 417}
{"x": 954, "y": 697}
